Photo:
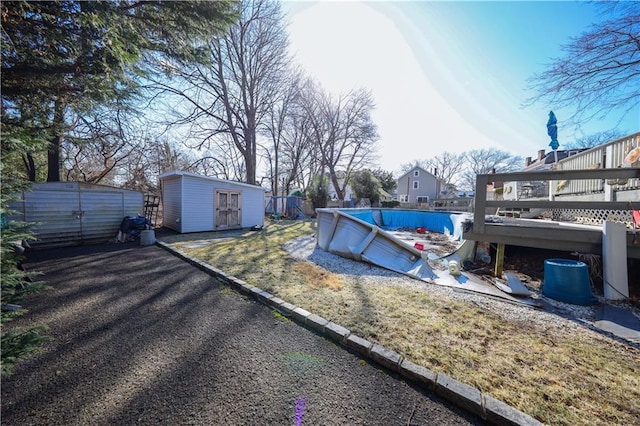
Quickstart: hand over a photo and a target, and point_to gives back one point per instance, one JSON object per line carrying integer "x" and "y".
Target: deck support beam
{"x": 499, "y": 260}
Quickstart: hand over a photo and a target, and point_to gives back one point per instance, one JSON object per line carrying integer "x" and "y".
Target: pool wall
{"x": 352, "y": 237}
{"x": 358, "y": 234}
{"x": 448, "y": 223}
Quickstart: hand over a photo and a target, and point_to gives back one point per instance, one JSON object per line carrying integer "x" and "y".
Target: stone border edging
{"x": 460, "y": 394}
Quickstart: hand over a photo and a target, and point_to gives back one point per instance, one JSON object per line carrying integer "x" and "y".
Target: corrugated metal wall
{"x": 75, "y": 213}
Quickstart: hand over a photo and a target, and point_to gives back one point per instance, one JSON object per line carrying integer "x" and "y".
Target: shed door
{"x": 227, "y": 209}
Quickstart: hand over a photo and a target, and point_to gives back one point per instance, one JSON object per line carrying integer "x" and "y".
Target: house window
{"x": 404, "y": 198}
{"x": 416, "y": 173}
{"x": 423, "y": 199}
{"x": 415, "y": 184}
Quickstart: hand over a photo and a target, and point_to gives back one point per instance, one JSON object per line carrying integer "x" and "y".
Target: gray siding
{"x": 197, "y": 207}
{"x": 172, "y": 203}
{"x": 252, "y": 208}
{"x": 194, "y": 197}
{"x": 427, "y": 185}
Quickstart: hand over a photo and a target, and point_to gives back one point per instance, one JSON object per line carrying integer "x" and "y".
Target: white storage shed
{"x": 194, "y": 203}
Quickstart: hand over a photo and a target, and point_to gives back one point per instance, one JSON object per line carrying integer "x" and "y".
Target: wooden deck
{"x": 548, "y": 234}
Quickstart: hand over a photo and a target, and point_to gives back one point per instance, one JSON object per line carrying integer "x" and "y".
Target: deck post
{"x": 614, "y": 261}
{"x": 608, "y": 189}
{"x": 480, "y": 203}
{"x": 499, "y": 260}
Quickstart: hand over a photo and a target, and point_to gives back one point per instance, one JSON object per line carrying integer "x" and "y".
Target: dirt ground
{"x": 526, "y": 262}
{"x": 530, "y": 263}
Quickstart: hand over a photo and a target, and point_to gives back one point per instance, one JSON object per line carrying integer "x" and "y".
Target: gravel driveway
{"x": 140, "y": 336}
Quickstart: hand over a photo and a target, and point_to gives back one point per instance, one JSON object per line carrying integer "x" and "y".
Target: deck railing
{"x": 552, "y": 177}
{"x": 452, "y": 204}
{"x": 606, "y": 156}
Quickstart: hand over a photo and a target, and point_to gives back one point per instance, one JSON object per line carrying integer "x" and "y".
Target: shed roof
{"x": 178, "y": 173}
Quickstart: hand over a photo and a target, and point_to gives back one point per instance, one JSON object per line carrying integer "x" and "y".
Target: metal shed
{"x": 194, "y": 203}
{"x": 75, "y": 213}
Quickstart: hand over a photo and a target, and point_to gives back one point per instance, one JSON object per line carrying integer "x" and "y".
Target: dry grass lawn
{"x": 561, "y": 377}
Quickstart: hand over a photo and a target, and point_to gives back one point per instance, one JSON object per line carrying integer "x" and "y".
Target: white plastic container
{"x": 147, "y": 237}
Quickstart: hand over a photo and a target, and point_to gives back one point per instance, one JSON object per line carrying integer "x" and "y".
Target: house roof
{"x": 414, "y": 168}
{"x": 552, "y": 157}
{"x": 178, "y": 173}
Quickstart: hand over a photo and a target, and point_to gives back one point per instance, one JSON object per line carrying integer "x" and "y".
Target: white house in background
{"x": 194, "y": 203}
{"x": 418, "y": 186}
{"x": 333, "y": 195}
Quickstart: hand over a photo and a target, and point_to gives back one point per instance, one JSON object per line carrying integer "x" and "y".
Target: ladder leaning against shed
{"x": 151, "y": 207}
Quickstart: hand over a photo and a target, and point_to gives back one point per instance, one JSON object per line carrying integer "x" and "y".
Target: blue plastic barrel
{"x": 567, "y": 281}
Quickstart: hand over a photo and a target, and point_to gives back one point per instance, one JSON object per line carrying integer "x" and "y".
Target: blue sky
{"x": 446, "y": 76}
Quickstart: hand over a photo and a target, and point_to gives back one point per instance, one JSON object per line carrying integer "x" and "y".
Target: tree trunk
{"x": 276, "y": 172}
{"x": 250, "y": 148}
{"x": 53, "y": 155}
{"x": 30, "y": 166}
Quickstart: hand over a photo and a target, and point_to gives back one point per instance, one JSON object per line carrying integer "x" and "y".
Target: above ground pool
{"x": 448, "y": 223}
{"x": 368, "y": 235}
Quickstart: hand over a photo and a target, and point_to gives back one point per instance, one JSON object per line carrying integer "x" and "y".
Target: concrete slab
{"x": 619, "y": 321}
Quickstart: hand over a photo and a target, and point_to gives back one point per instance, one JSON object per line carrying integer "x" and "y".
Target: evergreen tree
{"x": 77, "y": 55}
{"x": 73, "y": 55}
{"x": 366, "y": 185}
{"x": 386, "y": 179}
{"x": 318, "y": 191}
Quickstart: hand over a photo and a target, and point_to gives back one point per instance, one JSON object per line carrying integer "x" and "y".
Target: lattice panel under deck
{"x": 590, "y": 216}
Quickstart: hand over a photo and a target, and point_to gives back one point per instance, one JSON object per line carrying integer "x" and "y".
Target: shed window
{"x": 416, "y": 184}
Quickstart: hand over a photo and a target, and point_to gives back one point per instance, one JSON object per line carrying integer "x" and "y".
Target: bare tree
{"x": 447, "y": 167}
{"x": 483, "y": 161}
{"x": 98, "y": 146}
{"x": 600, "y": 70}
{"x": 422, "y": 163}
{"x": 342, "y": 132}
{"x": 297, "y": 152}
{"x": 230, "y": 98}
{"x": 283, "y": 127}
{"x": 595, "y": 139}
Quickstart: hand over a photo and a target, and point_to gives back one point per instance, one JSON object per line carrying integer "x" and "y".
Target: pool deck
{"x": 548, "y": 234}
